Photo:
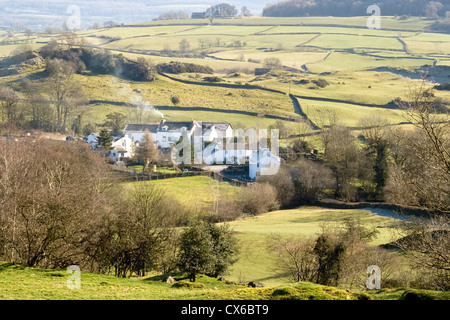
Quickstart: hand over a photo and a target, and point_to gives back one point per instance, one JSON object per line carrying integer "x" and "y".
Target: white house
{"x": 123, "y": 148}
{"x": 169, "y": 133}
{"x": 136, "y": 131}
{"x": 220, "y": 153}
{"x": 263, "y": 163}
{"x": 166, "y": 134}
{"x": 213, "y": 131}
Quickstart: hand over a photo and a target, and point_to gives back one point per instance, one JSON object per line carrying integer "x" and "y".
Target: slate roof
{"x": 218, "y": 126}
{"x": 153, "y": 128}
{"x": 176, "y": 126}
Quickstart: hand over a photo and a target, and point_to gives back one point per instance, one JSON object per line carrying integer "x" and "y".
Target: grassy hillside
{"x": 342, "y": 51}
{"x": 192, "y": 192}
{"x": 256, "y": 264}
{"x": 23, "y": 283}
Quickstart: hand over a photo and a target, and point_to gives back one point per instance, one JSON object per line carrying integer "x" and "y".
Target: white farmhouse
{"x": 136, "y": 131}
{"x": 123, "y": 148}
{"x": 221, "y": 153}
{"x": 263, "y": 163}
{"x": 169, "y": 133}
{"x": 215, "y": 131}
{"x": 166, "y": 134}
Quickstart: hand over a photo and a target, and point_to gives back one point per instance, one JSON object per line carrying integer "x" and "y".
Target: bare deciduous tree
{"x": 66, "y": 93}
{"x": 294, "y": 256}
{"x": 9, "y": 104}
{"x": 427, "y": 244}
{"x": 259, "y": 198}
{"x": 426, "y": 151}
{"x": 147, "y": 151}
{"x": 49, "y": 202}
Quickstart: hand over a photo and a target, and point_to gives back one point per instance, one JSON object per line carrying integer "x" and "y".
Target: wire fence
{"x": 126, "y": 176}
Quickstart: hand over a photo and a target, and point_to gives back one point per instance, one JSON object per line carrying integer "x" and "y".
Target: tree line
{"x": 59, "y": 208}
{"x": 348, "y": 8}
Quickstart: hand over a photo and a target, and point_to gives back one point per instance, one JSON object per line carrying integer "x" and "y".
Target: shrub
{"x": 140, "y": 70}
{"x": 180, "y": 67}
{"x": 322, "y": 83}
{"x": 99, "y": 61}
{"x": 212, "y": 79}
{"x": 187, "y": 285}
{"x": 206, "y": 248}
{"x": 259, "y": 198}
{"x": 282, "y": 182}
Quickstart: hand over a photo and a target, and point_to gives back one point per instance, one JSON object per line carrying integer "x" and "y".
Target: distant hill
{"x": 347, "y": 8}
{"x": 38, "y": 15}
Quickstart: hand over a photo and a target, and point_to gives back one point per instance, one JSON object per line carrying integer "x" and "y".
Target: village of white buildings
{"x": 212, "y": 144}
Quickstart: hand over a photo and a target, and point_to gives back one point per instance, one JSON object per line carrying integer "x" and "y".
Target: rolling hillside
{"x": 340, "y": 50}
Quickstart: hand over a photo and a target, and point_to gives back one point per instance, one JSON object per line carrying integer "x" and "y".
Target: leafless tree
{"x": 428, "y": 176}
{"x": 147, "y": 151}
{"x": 259, "y": 198}
{"x": 49, "y": 199}
{"x": 342, "y": 155}
{"x": 294, "y": 256}
{"x": 65, "y": 92}
{"x": 139, "y": 232}
{"x": 273, "y": 63}
{"x": 310, "y": 180}
{"x": 284, "y": 184}
{"x": 9, "y": 104}
{"x": 427, "y": 245}
{"x": 184, "y": 45}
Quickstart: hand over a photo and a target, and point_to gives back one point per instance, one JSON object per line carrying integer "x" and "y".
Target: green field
{"x": 252, "y": 232}
{"x": 193, "y": 192}
{"x": 412, "y": 24}
{"x": 23, "y": 283}
{"x": 257, "y": 264}
{"x": 343, "y": 51}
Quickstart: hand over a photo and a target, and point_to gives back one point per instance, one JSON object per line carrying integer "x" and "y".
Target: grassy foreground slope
{"x": 19, "y": 282}
{"x": 22, "y": 283}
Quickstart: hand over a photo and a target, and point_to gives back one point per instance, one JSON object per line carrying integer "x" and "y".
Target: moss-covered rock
{"x": 187, "y": 285}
